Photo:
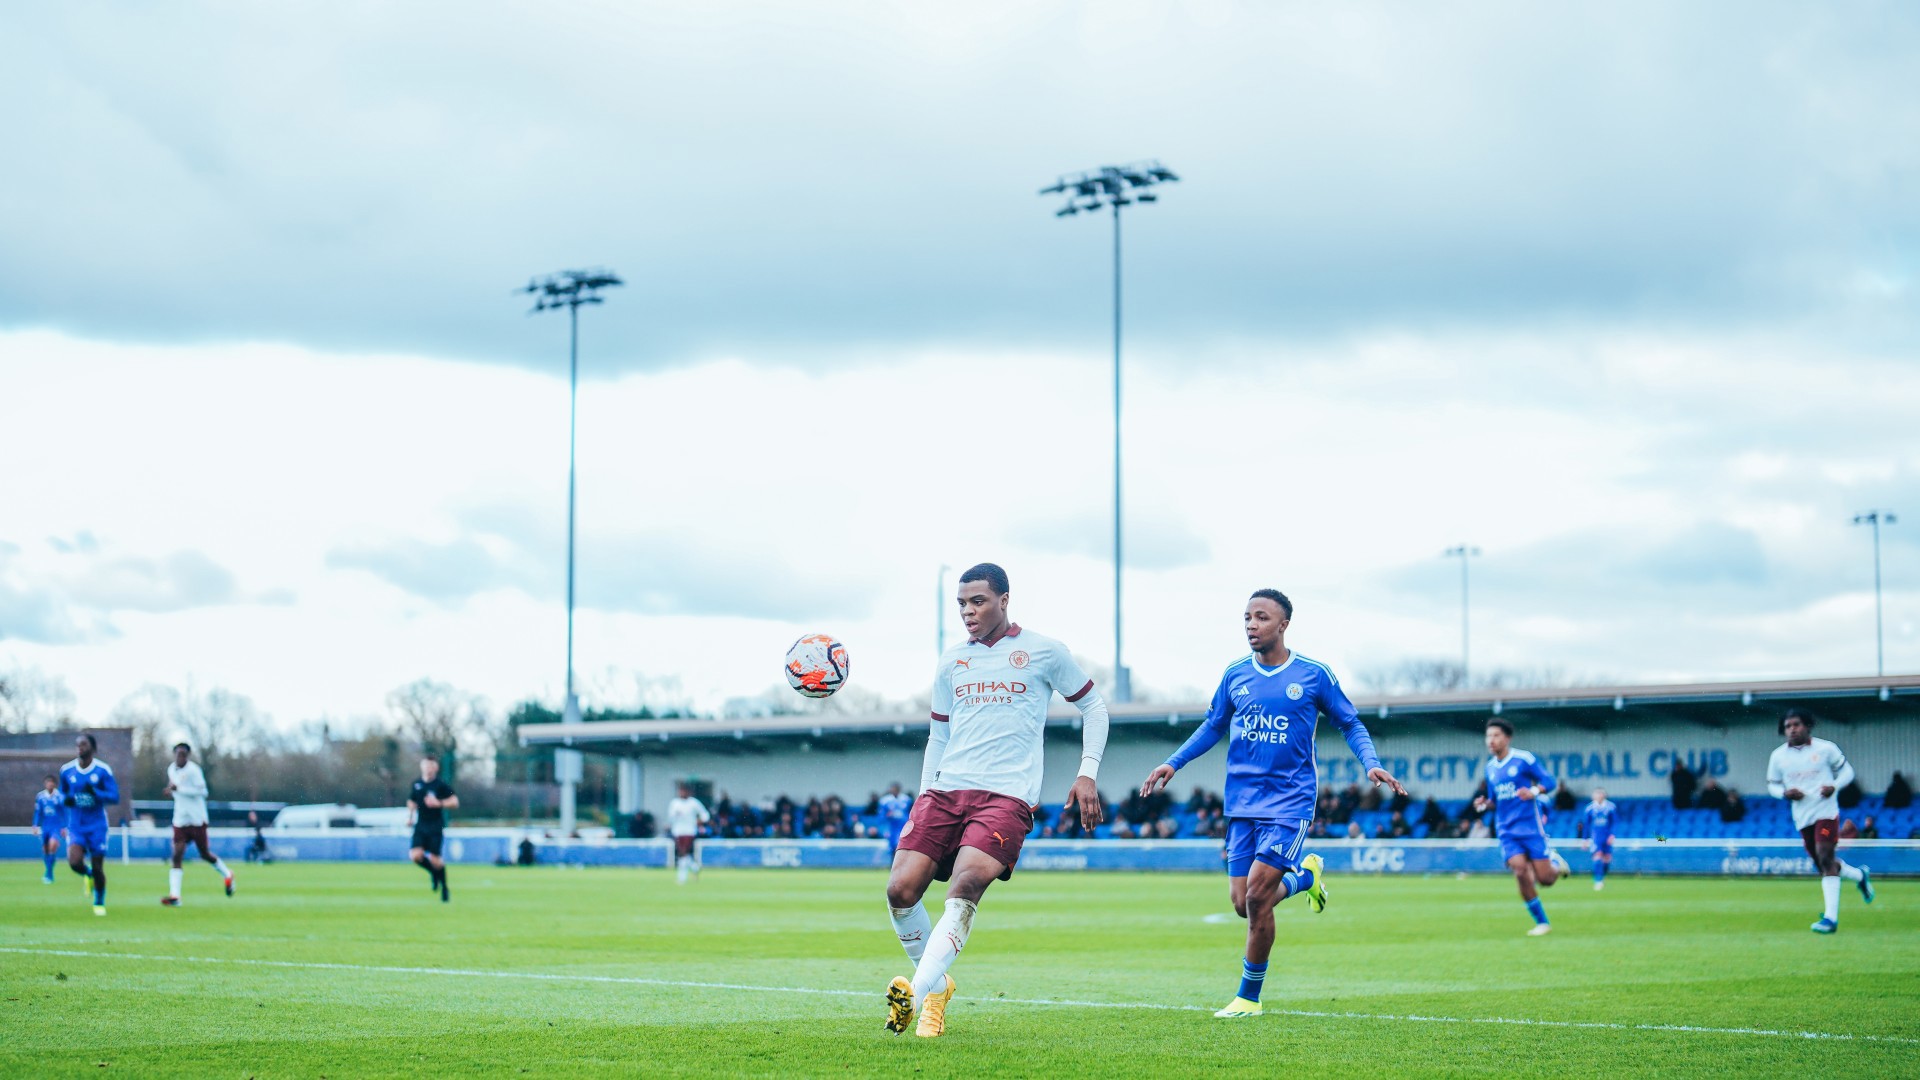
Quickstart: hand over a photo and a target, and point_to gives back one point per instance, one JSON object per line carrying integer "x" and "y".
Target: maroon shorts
{"x": 191, "y": 834}
{"x": 943, "y": 822}
{"x": 682, "y": 846}
{"x": 1827, "y": 832}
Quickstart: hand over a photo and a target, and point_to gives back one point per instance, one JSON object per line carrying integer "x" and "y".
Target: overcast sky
{"x": 1624, "y": 294}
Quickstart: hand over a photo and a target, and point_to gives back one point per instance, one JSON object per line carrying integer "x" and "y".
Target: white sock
{"x": 943, "y": 947}
{"x": 221, "y": 869}
{"x": 1830, "y": 888}
{"x": 1851, "y": 873}
{"x": 683, "y": 871}
{"x": 912, "y": 927}
{"x": 174, "y": 874}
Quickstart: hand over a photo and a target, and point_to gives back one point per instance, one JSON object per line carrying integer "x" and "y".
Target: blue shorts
{"x": 46, "y": 835}
{"x": 91, "y": 837}
{"x": 1603, "y": 845}
{"x": 893, "y": 833}
{"x": 1276, "y": 843}
{"x": 1532, "y": 845}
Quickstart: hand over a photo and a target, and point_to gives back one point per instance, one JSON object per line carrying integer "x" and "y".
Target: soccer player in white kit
{"x": 1807, "y": 772}
{"x": 188, "y": 786}
{"x": 685, "y": 815}
{"x": 979, "y": 785}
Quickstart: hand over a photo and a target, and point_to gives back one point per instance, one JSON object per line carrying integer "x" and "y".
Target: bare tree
{"x": 1429, "y": 676}
{"x": 32, "y": 700}
{"x": 439, "y": 717}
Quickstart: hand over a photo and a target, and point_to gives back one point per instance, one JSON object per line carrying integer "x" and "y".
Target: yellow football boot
{"x": 933, "y": 1012}
{"x": 1316, "y": 896}
{"x": 1238, "y": 1008}
{"x": 899, "y": 1004}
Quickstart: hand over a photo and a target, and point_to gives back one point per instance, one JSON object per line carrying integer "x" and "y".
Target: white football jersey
{"x": 994, "y": 700}
{"x": 1809, "y": 768}
{"x": 189, "y": 793}
{"x": 684, "y": 817}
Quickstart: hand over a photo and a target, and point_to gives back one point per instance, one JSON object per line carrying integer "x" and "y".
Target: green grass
{"x": 1700, "y": 953}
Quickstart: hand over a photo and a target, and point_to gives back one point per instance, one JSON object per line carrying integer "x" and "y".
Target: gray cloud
{"x": 833, "y": 184}
{"x": 74, "y": 597}
{"x": 1149, "y": 543}
{"x": 651, "y": 574}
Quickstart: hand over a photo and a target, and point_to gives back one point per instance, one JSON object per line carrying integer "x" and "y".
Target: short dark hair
{"x": 1276, "y": 596}
{"x": 183, "y": 746}
{"x": 92, "y": 743}
{"x": 1496, "y": 722}
{"x": 1796, "y": 713}
{"x": 990, "y": 573}
{"x": 51, "y": 777}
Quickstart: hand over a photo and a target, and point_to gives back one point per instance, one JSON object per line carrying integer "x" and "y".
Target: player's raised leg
{"x": 174, "y": 871}
{"x": 973, "y": 871}
{"x": 1527, "y": 874}
{"x": 934, "y": 825}
{"x": 1270, "y": 871}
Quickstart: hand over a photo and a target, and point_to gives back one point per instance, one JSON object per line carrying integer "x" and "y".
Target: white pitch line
{"x": 634, "y": 980}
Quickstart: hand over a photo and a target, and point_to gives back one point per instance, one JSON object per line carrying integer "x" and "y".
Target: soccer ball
{"x": 817, "y": 665}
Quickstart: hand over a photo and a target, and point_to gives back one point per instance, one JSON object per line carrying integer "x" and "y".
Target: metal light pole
{"x": 1463, "y": 552}
{"x": 940, "y": 609}
{"x": 1087, "y": 192}
{"x": 569, "y": 289}
{"x": 1876, "y": 518}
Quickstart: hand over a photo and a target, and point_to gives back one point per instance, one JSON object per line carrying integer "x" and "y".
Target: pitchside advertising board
{"x": 497, "y": 846}
{"x": 1627, "y": 762}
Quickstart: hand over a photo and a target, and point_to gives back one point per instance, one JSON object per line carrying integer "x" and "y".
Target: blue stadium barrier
{"x": 1735, "y": 857}
{"x": 285, "y": 845}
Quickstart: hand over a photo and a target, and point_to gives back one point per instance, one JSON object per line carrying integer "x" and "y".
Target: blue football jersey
{"x": 1270, "y": 715}
{"x": 1513, "y": 815}
{"x": 1599, "y": 818}
{"x": 896, "y": 807}
{"x": 49, "y": 814}
{"x": 88, "y": 793}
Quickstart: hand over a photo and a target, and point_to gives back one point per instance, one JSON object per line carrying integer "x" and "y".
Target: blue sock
{"x": 1535, "y": 909}
{"x": 1252, "y": 975}
{"x": 99, "y": 894}
{"x": 49, "y": 859}
{"x": 1296, "y": 882}
{"x": 1599, "y": 871}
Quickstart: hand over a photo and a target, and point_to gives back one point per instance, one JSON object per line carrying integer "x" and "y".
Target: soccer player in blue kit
{"x": 49, "y": 817}
{"x": 1515, "y": 785}
{"x": 1269, "y": 704}
{"x": 87, "y": 789}
{"x": 895, "y": 805}
{"x": 1597, "y": 822}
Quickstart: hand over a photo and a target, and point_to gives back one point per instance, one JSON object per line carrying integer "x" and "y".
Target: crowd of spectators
{"x": 1201, "y": 815}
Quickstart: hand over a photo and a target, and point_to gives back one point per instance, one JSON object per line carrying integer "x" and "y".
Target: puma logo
{"x": 1001, "y": 840}
{"x": 968, "y": 664}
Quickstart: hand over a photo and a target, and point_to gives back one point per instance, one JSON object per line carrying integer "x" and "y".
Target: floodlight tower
{"x": 1087, "y": 192}
{"x": 569, "y": 289}
{"x": 1463, "y": 552}
{"x": 1877, "y": 518}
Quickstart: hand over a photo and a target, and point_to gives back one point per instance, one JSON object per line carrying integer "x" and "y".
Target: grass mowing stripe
{"x": 634, "y": 980}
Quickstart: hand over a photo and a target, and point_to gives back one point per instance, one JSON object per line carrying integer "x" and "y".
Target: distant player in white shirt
{"x": 188, "y": 786}
{"x": 979, "y": 785}
{"x": 1807, "y": 772}
{"x": 685, "y": 815}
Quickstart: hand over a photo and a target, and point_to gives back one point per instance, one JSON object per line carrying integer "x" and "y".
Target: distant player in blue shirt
{"x": 1516, "y": 784}
{"x": 1269, "y": 704}
{"x": 88, "y": 790}
{"x": 1596, "y": 822}
{"x": 49, "y": 816}
{"x": 895, "y": 805}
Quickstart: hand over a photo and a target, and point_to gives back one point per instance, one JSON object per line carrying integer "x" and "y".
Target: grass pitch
{"x": 355, "y": 970}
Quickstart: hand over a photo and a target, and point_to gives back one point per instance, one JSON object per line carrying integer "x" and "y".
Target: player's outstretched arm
{"x": 1381, "y": 776}
{"x": 1157, "y": 780}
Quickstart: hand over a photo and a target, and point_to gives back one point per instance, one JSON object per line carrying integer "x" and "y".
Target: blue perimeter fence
{"x": 1636, "y": 856}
